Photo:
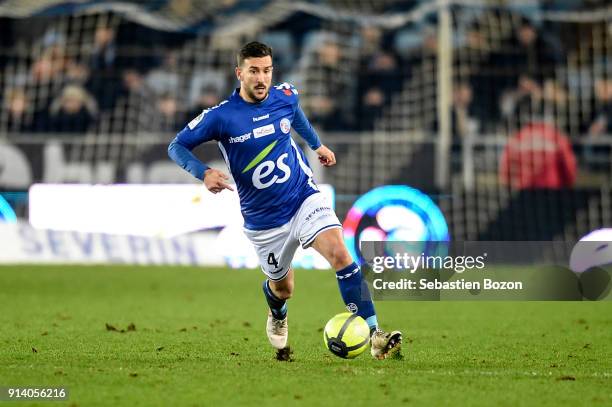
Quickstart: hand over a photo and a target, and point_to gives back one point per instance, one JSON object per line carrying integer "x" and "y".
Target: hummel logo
{"x": 265, "y": 116}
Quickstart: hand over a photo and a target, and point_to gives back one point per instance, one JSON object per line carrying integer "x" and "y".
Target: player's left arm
{"x": 303, "y": 127}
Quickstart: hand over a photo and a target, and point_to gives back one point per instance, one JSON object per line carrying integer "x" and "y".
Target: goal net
{"x": 500, "y": 111}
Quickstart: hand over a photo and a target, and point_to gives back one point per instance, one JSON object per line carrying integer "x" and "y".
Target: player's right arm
{"x": 203, "y": 128}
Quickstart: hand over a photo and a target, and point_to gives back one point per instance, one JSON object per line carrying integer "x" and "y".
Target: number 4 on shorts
{"x": 272, "y": 261}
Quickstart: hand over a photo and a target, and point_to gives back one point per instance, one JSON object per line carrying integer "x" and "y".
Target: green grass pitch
{"x": 198, "y": 339}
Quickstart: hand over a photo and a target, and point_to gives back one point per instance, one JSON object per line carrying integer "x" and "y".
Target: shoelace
{"x": 378, "y": 332}
{"x": 279, "y": 324}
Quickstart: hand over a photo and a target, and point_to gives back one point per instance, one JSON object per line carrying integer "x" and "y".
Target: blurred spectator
{"x": 534, "y": 102}
{"x": 537, "y": 55}
{"x": 103, "y": 82}
{"x": 382, "y": 71}
{"x": 430, "y": 44}
{"x": 463, "y": 121}
{"x": 74, "y": 111}
{"x": 135, "y": 109}
{"x": 372, "y": 104}
{"x": 476, "y": 40}
{"x": 520, "y": 102}
{"x": 324, "y": 60}
{"x": 167, "y": 117}
{"x": 50, "y": 65}
{"x": 513, "y": 74}
{"x": 602, "y": 120}
{"x": 325, "y": 114}
{"x": 538, "y": 157}
{"x": 423, "y": 58}
{"x": 165, "y": 79}
{"x": 379, "y": 80}
{"x": 371, "y": 42}
{"x": 470, "y": 63}
{"x": 104, "y": 50}
{"x": 419, "y": 69}
{"x": 76, "y": 72}
{"x": 47, "y": 75}
{"x": 534, "y": 58}
{"x": 329, "y": 55}
{"x": 209, "y": 97}
{"x": 133, "y": 82}
{"x": 16, "y": 106}
{"x": 554, "y": 106}
{"x": 379, "y": 76}
{"x": 326, "y": 80}
{"x": 208, "y": 81}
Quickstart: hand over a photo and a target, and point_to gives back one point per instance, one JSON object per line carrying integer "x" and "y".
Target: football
{"x": 346, "y": 335}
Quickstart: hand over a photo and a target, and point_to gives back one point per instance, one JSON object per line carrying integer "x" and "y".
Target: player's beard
{"x": 252, "y": 95}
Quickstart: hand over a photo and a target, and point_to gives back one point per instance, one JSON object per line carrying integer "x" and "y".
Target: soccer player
{"x": 280, "y": 203}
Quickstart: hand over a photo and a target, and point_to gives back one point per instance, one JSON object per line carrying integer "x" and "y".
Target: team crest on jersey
{"x": 285, "y": 125}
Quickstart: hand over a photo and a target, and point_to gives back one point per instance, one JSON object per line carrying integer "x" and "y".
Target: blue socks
{"x": 277, "y": 306}
{"x": 356, "y": 294}
{"x": 353, "y": 289}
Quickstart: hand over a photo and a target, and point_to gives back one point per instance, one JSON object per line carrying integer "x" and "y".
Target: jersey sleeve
{"x": 300, "y": 123}
{"x": 303, "y": 127}
{"x": 205, "y": 127}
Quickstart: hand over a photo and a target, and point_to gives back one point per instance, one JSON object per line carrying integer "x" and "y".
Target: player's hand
{"x": 326, "y": 156}
{"x": 215, "y": 181}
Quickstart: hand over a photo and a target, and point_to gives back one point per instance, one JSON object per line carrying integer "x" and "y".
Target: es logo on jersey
{"x": 261, "y": 175}
{"x": 263, "y": 170}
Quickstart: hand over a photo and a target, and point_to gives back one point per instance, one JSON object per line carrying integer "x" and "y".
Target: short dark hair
{"x": 253, "y": 49}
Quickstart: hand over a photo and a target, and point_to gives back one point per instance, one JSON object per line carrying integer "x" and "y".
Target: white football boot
{"x": 278, "y": 331}
{"x": 385, "y": 344}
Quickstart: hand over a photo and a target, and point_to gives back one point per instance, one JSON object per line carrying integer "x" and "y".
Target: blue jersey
{"x": 271, "y": 172}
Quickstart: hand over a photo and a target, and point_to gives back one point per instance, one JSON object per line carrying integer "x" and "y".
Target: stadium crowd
{"x": 121, "y": 77}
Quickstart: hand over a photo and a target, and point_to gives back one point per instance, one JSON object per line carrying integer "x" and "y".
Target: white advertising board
{"x": 21, "y": 243}
{"x": 133, "y": 209}
{"x": 135, "y": 224}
